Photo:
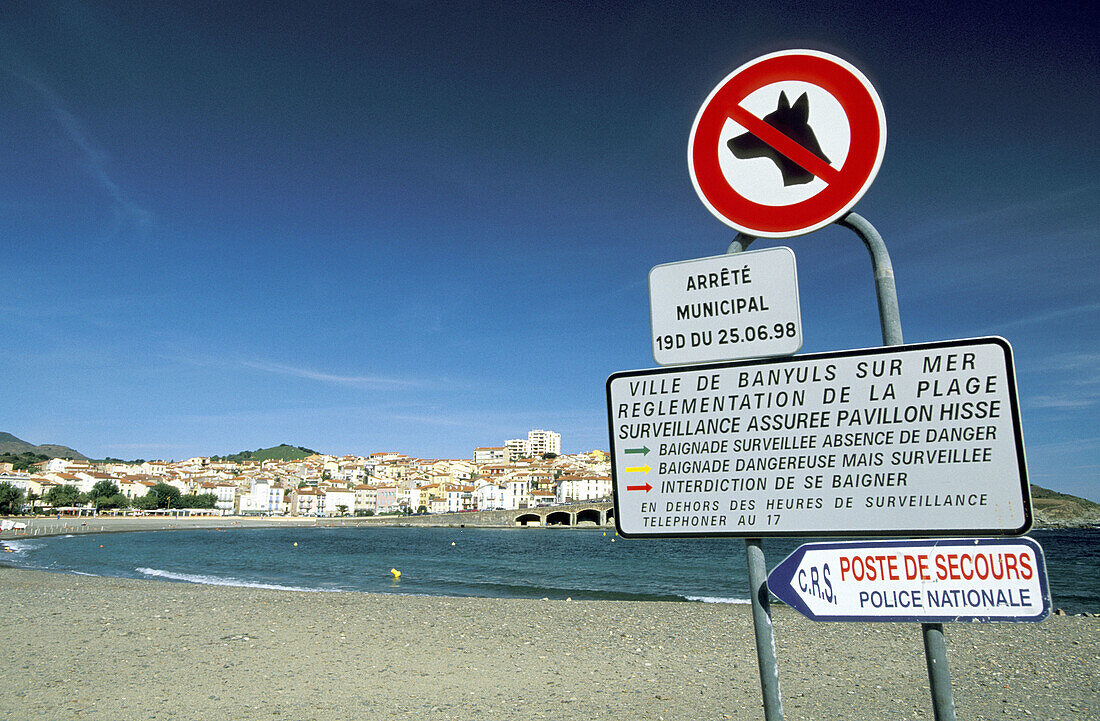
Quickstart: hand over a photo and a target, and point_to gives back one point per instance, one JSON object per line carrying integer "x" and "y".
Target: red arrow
{"x": 647, "y": 488}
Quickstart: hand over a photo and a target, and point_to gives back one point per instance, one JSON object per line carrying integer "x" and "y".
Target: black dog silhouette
{"x": 792, "y": 121}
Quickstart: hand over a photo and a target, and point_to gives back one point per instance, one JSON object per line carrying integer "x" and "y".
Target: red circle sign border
{"x": 866, "y": 120}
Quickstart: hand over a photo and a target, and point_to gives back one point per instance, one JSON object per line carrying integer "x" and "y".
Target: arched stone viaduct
{"x": 585, "y": 513}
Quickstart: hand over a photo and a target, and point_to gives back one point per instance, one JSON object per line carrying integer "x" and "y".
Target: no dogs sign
{"x": 787, "y": 143}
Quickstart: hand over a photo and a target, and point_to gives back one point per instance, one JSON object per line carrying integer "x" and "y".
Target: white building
{"x": 489, "y": 497}
{"x": 226, "y": 494}
{"x": 583, "y": 488}
{"x": 460, "y": 498}
{"x": 516, "y": 494}
{"x": 540, "y": 442}
{"x": 336, "y": 502}
{"x": 491, "y": 454}
{"x": 264, "y": 498}
{"x": 537, "y": 443}
{"x": 517, "y": 448}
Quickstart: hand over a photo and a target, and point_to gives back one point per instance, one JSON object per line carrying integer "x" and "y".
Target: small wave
{"x": 496, "y": 589}
{"x": 21, "y": 546}
{"x": 225, "y": 581}
{"x": 717, "y": 599}
{"x": 82, "y": 573}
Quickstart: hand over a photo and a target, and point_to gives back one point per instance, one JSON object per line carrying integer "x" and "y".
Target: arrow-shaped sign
{"x": 638, "y": 469}
{"x": 929, "y": 581}
{"x": 646, "y": 487}
{"x": 643, "y": 450}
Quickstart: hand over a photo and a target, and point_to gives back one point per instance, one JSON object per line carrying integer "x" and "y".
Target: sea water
{"x": 499, "y": 563}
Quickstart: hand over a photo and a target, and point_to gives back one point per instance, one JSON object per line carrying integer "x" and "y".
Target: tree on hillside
{"x": 202, "y": 500}
{"x": 105, "y": 495}
{"x": 63, "y": 495}
{"x": 148, "y": 502}
{"x": 116, "y": 501}
{"x": 11, "y": 498}
{"x": 102, "y": 489}
{"x": 23, "y": 461}
{"x": 166, "y": 496}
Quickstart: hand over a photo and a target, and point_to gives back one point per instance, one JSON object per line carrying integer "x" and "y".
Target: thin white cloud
{"x": 377, "y": 382}
{"x": 1065, "y": 205}
{"x": 1071, "y": 382}
{"x": 144, "y": 446}
{"x": 1091, "y": 308}
{"x": 126, "y": 210}
{"x": 1068, "y": 446}
{"x": 439, "y": 420}
{"x": 1061, "y": 402}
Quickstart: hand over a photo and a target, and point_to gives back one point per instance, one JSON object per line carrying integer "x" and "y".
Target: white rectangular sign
{"x": 917, "y": 440}
{"x": 742, "y": 305}
{"x": 959, "y": 579}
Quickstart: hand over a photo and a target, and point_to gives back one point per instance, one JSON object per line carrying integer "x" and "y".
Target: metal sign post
{"x": 763, "y": 630}
{"x": 935, "y": 648}
{"x": 783, "y": 146}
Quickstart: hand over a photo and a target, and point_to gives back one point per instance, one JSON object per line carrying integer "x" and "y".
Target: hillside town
{"x": 523, "y": 473}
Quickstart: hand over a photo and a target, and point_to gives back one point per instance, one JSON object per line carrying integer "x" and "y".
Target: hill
{"x": 1061, "y": 509}
{"x": 282, "y": 452}
{"x": 16, "y": 447}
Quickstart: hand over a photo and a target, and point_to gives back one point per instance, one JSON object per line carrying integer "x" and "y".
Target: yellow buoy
{"x": 396, "y": 573}
{"x": 295, "y": 544}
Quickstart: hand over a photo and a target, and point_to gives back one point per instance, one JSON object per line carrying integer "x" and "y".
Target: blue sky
{"x": 427, "y": 227}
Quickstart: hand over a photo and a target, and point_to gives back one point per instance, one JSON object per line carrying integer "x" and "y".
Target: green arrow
{"x": 643, "y": 450}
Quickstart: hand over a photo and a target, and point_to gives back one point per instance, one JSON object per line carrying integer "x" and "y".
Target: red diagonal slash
{"x": 784, "y": 144}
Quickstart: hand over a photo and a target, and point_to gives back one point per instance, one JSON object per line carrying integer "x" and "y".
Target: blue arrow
{"x": 781, "y": 582}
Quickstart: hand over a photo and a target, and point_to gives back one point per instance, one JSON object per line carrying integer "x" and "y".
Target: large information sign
{"x": 726, "y": 307}
{"x": 908, "y": 440}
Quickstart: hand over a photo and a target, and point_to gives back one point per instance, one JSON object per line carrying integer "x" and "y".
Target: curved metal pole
{"x": 888, "y": 313}
{"x": 935, "y": 648}
{"x": 740, "y": 243}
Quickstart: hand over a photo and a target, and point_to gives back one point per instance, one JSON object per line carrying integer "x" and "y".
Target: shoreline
{"x": 145, "y": 648}
{"x": 43, "y": 526}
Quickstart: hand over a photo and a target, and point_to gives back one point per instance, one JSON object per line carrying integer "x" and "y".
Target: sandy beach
{"x": 78, "y": 647}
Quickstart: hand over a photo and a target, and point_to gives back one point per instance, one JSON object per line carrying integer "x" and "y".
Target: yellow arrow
{"x": 638, "y": 469}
